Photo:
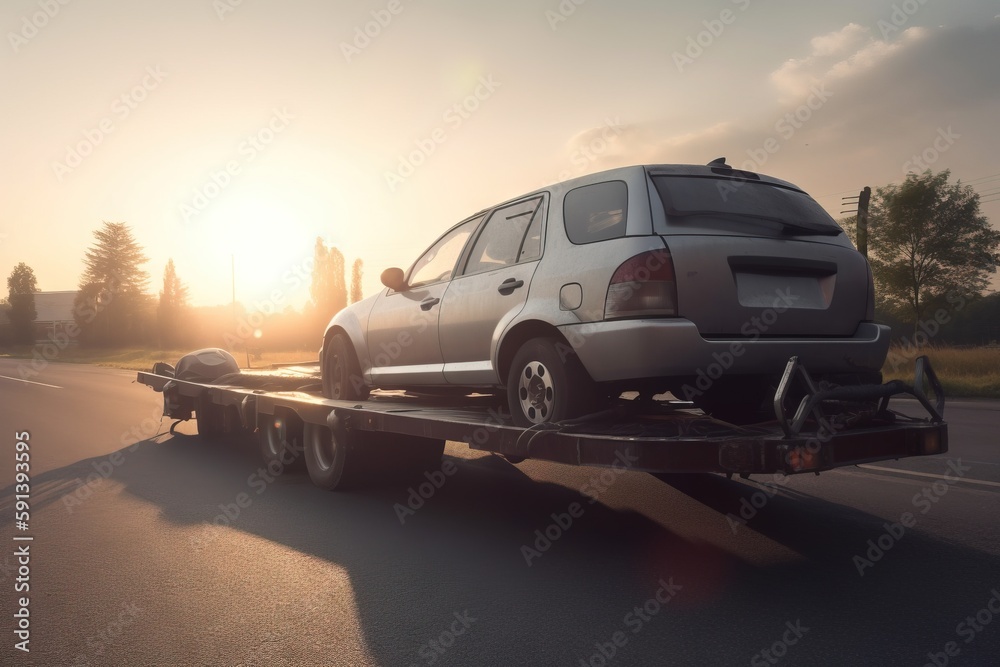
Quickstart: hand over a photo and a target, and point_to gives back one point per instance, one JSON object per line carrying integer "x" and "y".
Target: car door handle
{"x": 427, "y": 304}
{"x": 509, "y": 285}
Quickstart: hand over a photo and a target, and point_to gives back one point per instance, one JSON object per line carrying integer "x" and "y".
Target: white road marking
{"x": 7, "y": 377}
{"x": 956, "y": 480}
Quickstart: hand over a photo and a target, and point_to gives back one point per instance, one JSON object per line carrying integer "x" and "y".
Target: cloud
{"x": 838, "y": 55}
{"x": 889, "y": 101}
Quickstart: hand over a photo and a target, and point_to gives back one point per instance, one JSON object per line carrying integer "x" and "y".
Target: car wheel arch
{"x": 517, "y": 336}
{"x": 335, "y": 329}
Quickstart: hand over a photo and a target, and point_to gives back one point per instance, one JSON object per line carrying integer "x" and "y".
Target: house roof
{"x": 54, "y": 306}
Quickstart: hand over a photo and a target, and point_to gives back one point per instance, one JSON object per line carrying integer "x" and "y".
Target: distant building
{"x": 54, "y": 312}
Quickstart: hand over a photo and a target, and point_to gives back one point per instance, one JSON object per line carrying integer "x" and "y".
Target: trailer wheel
{"x": 280, "y": 440}
{"x": 333, "y": 459}
{"x": 547, "y": 383}
{"x": 341, "y": 371}
{"x": 209, "y": 417}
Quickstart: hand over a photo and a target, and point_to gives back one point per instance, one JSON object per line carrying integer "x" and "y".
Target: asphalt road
{"x": 152, "y": 549}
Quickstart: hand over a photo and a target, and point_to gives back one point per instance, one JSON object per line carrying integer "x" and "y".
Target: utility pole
{"x": 862, "y": 211}
{"x": 863, "y": 200}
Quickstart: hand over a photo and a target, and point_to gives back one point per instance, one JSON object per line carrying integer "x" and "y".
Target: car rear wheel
{"x": 547, "y": 383}
{"x": 341, "y": 371}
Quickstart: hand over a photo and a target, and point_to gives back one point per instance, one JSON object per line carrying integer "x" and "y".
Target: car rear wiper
{"x": 800, "y": 227}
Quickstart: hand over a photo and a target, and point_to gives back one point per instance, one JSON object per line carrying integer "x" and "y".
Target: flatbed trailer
{"x": 347, "y": 443}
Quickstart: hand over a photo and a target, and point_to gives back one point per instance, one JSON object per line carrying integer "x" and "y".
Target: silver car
{"x": 701, "y": 280}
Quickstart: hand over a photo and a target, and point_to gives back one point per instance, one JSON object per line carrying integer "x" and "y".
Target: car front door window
{"x": 438, "y": 263}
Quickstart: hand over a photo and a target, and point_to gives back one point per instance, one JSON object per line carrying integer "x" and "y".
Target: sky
{"x": 229, "y": 134}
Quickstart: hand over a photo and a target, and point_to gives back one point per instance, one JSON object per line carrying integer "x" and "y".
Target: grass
{"x": 964, "y": 372}
{"x": 142, "y": 359}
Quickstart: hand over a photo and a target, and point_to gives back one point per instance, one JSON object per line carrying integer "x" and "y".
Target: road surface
{"x": 158, "y": 549}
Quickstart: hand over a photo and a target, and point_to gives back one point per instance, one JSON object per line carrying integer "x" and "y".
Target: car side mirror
{"x": 394, "y": 279}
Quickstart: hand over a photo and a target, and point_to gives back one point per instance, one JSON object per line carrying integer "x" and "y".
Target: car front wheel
{"x": 341, "y": 371}
{"x": 547, "y": 383}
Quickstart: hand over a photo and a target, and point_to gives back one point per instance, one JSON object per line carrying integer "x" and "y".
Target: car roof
{"x": 628, "y": 173}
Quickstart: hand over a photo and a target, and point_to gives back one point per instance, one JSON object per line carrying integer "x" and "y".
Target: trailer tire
{"x": 547, "y": 383}
{"x": 209, "y": 417}
{"x": 341, "y": 371}
{"x": 334, "y": 460}
{"x": 280, "y": 439}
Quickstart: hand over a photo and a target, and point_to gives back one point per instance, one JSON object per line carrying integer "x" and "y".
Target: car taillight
{"x": 643, "y": 286}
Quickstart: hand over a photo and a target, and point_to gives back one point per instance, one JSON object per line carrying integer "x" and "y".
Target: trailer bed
{"x": 651, "y": 436}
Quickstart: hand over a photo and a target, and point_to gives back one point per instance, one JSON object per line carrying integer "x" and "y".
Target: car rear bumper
{"x": 634, "y": 349}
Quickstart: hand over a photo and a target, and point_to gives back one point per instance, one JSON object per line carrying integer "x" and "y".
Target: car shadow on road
{"x": 549, "y": 577}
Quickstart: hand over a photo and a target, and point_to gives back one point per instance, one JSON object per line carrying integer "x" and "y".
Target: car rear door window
{"x": 511, "y": 235}
{"x": 596, "y": 212}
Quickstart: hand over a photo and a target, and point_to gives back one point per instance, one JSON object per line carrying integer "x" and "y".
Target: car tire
{"x": 334, "y": 460}
{"x": 547, "y": 383}
{"x": 342, "y": 378}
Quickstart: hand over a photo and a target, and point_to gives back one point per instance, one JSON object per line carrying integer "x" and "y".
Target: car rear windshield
{"x": 690, "y": 196}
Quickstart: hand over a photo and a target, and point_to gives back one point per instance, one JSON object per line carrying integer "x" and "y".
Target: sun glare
{"x": 270, "y": 246}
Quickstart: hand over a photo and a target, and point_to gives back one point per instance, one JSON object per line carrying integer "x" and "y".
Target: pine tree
{"x": 112, "y": 303}
{"x": 172, "y": 307}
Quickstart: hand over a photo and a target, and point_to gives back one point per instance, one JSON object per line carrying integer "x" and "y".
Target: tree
{"x": 112, "y": 305}
{"x": 22, "y": 285}
{"x": 329, "y": 288}
{"x": 357, "y": 270}
{"x": 6, "y": 330}
{"x": 927, "y": 241}
{"x": 172, "y": 307}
